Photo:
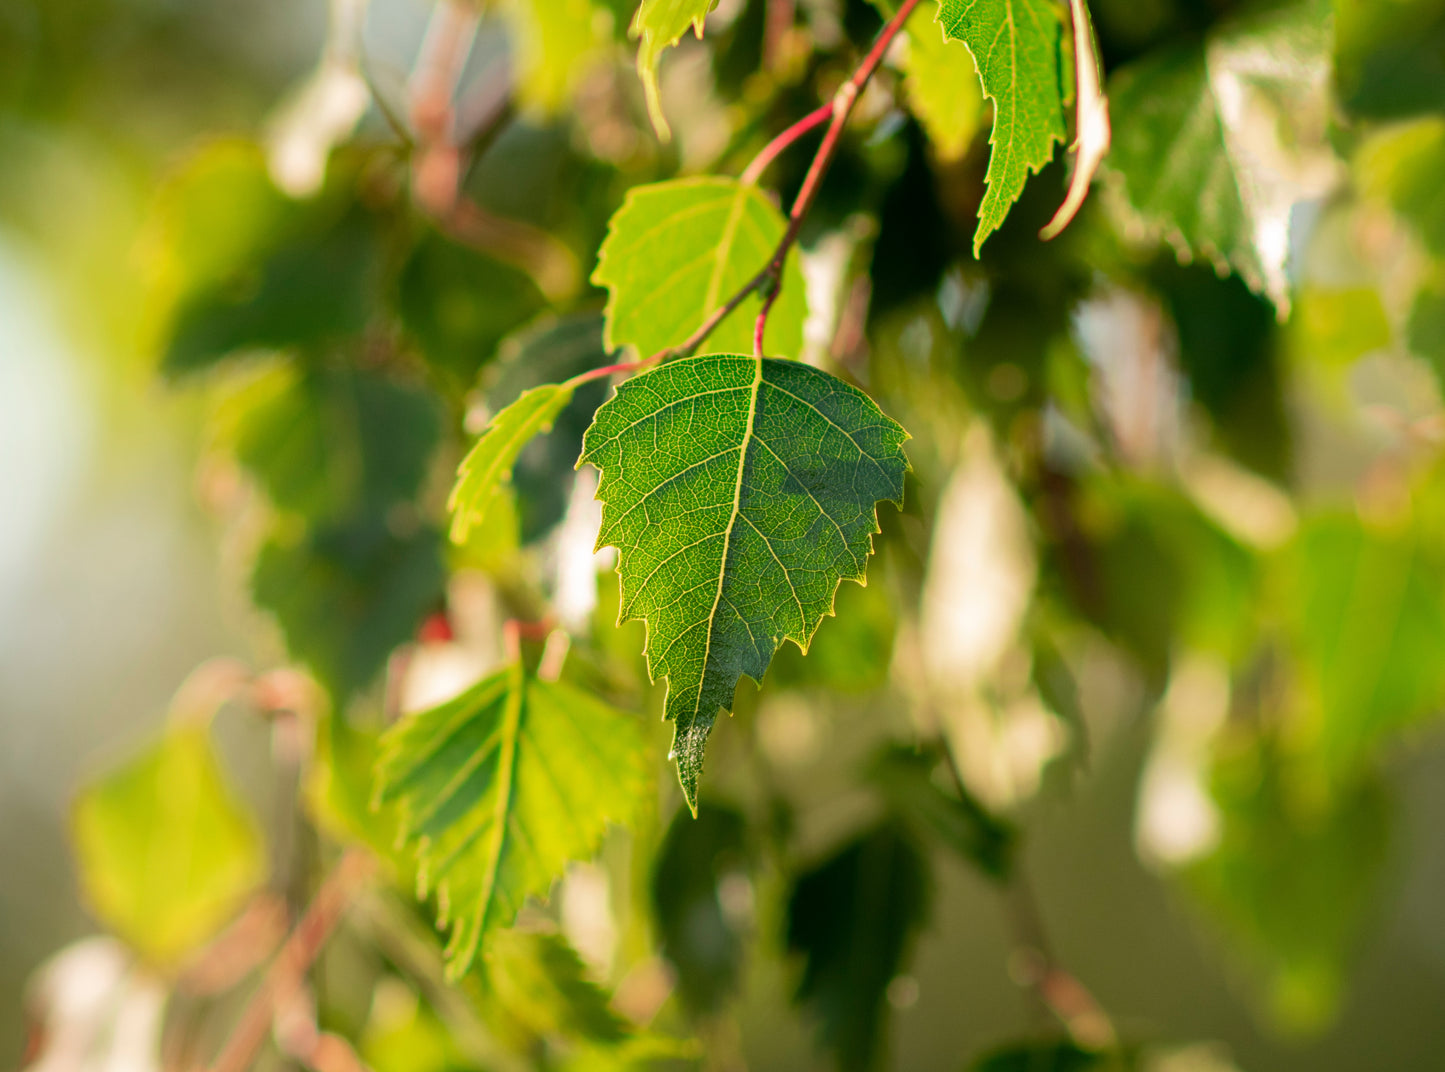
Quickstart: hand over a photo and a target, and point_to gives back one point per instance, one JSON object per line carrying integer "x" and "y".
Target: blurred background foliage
{"x": 1137, "y": 717}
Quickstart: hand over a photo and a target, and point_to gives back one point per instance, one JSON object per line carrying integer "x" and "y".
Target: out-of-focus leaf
{"x": 1426, "y": 328}
{"x": 1366, "y": 611}
{"x": 676, "y": 251}
{"x": 1018, "y": 46}
{"x": 1390, "y": 58}
{"x": 489, "y": 463}
{"x": 339, "y": 789}
{"x": 327, "y": 443}
{"x": 957, "y": 820}
{"x": 541, "y": 986}
{"x": 1200, "y": 143}
{"x": 854, "y": 918}
{"x": 550, "y": 351}
{"x": 347, "y": 594}
{"x": 459, "y": 304}
{"x": 1051, "y": 1057}
{"x": 317, "y": 285}
{"x": 658, "y": 26}
{"x": 1292, "y": 877}
{"x": 698, "y": 936}
{"x": 556, "y": 43}
{"x": 407, "y": 1036}
{"x": 166, "y": 852}
{"x": 740, "y": 492}
{"x": 500, "y": 788}
{"x": 941, "y": 84}
{"x": 1403, "y": 165}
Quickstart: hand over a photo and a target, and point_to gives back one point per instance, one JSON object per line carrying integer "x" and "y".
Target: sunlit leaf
{"x": 740, "y": 492}
{"x": 658, "y": 26}
{"x": 941, "y": 84}
{"x": 489, "y": 463}
{"x": 1017, "y": 45}
{"x": 854, "y": 919}
{"x": 676, "y": 251}
{"x": 500, "y": 788}
{"x": 557, "y": 42}
{"x": 167, "y": 853}
{"x": 541, "y": 985}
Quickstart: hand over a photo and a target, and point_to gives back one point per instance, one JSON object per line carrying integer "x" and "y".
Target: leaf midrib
{"x": 731, "y": 525}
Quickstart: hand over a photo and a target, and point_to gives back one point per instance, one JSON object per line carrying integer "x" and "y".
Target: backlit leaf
{"x": 166, "y": 852}
{"x": 489, "y": 463}
{"x": 658, "y": 26}
{"x": 500, "y": 788}
{"x": 941, "y": 84}
{"x": 740, "y": 491}
{"x": 676, "y": 251}
{"x": 1017, "y": 46}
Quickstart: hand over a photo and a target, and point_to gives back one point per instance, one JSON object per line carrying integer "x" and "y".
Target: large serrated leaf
{"x": 1016, "y": 44}
{"x": 676, "y": 251}
{"x": 659, "y": 25}
{"x": 500, "y": 787}
{"x": 740, "y": 492}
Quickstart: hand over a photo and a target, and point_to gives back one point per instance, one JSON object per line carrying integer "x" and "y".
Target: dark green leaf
{"x": 854, "y": 919}
{"x": 740, "y": 492}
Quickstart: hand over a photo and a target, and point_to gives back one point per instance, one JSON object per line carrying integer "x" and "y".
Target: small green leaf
{"x": 660, "y": 24}
{"x": 166, "y": 852}
{"x": 854, "y": 919}
{"x": 556, "y": 43}
{"x": 1018, "y": 46}
{"x": 500, "y": 788}
{"x": 676, "y": 251}
{"x": 740, "y": 492}
{"x": 489, "y": 463}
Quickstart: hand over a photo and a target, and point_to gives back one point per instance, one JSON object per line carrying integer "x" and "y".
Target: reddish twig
{"x": 770, "y": 152}
{"x": 289, "y": 969}
{"x": 842, "y": 107}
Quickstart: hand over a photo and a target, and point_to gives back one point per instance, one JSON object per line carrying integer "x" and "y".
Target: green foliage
{"x": 854, "y": 918}
{"x": 1018, "y": 46}
{"x": 490, "y": 462}
{"x": 740, "y": 492}
{"x": 942, "y": 85}
{"x": 500, "y": 788}
{"x": 675, "y": 251}
{"x": 542, "y": 984}
{"x": 659, "y": 25}
{"x": 166, "y": 852}
{"x": 1050, "y": 1057}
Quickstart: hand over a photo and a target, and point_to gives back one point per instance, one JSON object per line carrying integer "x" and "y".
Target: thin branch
{"x": 843, "y": 103}
{"x": 770, "y": 152}
{"x": 289, "y": 969}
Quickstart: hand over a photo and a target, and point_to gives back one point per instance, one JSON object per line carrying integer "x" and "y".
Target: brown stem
{"x": 289, "y": 969}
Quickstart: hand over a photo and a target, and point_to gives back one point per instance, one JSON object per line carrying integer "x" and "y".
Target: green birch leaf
{"x": 166, "y": 852}
{"x": 1017, "y": 45}
{"x": 499, "y": 788}
{"x": 658, "y": 26}
{"x": 489, "y": 463}
{"x": 675, "y": 251}
{"x": 740, "y": 491}
{"x": 854, "y": 918}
